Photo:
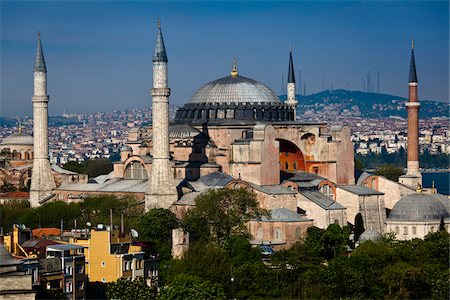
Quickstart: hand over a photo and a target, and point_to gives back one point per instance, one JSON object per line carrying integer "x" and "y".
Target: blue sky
{"x": 98, "y": 53}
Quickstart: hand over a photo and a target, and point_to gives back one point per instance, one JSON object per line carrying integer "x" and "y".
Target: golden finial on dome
{"x": 419, "y": 188}
{"x": 20, "y": 127}
{"x": 433, "y": 189}
{"x": 412, "y": 44}
{"x": 234, "y": 72}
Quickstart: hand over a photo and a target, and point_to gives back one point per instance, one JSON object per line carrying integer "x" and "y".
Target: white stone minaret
{"x": 291, "y": 85}
{"x": 161, "y": 190}
{"x": 42, "y": 181}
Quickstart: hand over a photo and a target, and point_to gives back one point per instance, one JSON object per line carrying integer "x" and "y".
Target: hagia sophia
{"x": 235, "y": 132}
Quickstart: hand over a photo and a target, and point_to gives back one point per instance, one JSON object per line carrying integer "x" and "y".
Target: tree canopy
{"x": 218, "y": 214}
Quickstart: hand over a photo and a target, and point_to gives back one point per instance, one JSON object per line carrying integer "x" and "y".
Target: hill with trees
{"x": 368, "y": 105}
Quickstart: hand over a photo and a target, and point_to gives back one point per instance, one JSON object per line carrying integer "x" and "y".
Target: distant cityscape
{"x": 78, "y": 137}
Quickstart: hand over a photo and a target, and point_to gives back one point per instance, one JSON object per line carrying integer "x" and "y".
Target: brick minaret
{"x": 161, "y": 190}
{"x": 291, "y": 85}
{"x": 413, "y": 176}
{"x": 42, "y": 181}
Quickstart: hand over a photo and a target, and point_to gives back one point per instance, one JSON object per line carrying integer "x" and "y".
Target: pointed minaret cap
{"x": 291, "y": 75}
{"x": 412, "y": 66}
{"x": 160, "y": 50}
{"x": 39, "y": 64}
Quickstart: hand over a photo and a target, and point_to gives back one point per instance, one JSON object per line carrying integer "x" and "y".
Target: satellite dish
{"x": 134, "y": 233}
{"x": 88, "y": 224}
{"x": 108, "y": 228}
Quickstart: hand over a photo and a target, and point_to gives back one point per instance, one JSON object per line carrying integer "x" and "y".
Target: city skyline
{"x": 98, "y": 55}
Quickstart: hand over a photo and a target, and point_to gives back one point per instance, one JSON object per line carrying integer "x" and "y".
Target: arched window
{"x": 135, "y": 170}
{"x": 298, "y": 232}
{"x": 286, "y": 166}
{"x": 326, "y": 190}
{"x": 277, "y": 234}
{"x": 259, "y": 233}
{"x": 372, "y": 185}
{"x": 414, "y": 230}
{"x": 295, "y": 165}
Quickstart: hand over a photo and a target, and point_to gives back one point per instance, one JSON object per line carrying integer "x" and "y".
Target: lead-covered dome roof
{"x": 234, "y": 99}
{"x": 418, "y": 207}
{"x": 18, "y": 139}
{"x": 234, "y": 89}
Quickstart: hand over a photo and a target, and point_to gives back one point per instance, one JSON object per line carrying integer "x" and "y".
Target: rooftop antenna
{"x": 378, "y": 82}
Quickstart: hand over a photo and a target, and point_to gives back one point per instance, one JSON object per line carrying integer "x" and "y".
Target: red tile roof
{"x": 40, "y": 232}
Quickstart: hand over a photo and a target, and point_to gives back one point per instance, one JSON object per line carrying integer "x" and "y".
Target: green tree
{"x": 50, "y": 215}
{"x": 7, "y": 187}
{"x": 100, "y": 166}
{"x": 76, "y": 167}
{"x": 191, "y": 287}
{"x": 156, "y": 227}
{"x": 125, "y": 289}
{"x": 11, "y": 212}
{"x": 390, "y": 172}
{"x": 359, "y": 166}
{"x": 240, "y": 251}
{"x": 218, "y": 214}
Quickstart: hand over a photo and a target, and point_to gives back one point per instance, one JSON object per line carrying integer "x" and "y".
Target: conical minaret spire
{"x": 291, "y": 75}
{"x": 291, "y": 86}
{"x": 39, "y": 63}
{"x": 42, "y": 181}
{"x": 412, "y": 66}
{"x": 413, "y": 177}
{"x": 161, "y": 190}
{"x": 160, "y": 54}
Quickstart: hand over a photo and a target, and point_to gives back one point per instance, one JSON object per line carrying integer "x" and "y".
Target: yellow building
{"x": 111, "y": 255}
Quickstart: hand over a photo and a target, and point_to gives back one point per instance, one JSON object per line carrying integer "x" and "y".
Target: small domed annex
{"x": 370, "y": 235}
{"x": 17, "y": 139}
{"x": 234, "y": 97}
{"x": 418, "y": 207}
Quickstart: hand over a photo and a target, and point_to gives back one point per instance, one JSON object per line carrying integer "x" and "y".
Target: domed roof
{"x": 370, "y": 235}
{"x": 236, "y": 89}
{"x": 126, "y": 148}
{"x": 18, "y": 139}
{"x": 418, "y": 207}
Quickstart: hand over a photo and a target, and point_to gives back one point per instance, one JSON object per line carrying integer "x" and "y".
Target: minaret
{"x": 291, "y": 85}
{"x": 161, "y": 190}
{"x": 413, "y": 176}
{"x": 42, "y": 181}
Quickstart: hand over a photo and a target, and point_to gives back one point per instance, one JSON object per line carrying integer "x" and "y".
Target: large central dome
{"x": 234, "y": 89}
{"x": 234, "y": 98}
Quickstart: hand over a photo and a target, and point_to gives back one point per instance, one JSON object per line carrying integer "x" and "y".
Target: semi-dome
{"x": 418, "y": 207}
{"x": 370, "y": 235}
{"x": 237, "y": 89}
{"x": 18, "y": 139}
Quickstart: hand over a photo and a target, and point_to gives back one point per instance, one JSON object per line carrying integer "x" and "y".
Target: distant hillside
{"x": 370, "y": 105}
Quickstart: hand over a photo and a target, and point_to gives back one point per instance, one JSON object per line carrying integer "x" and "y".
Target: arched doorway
{"x": 291, "y": 158}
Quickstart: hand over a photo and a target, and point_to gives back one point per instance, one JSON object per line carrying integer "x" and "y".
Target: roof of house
{"x": 360, "y": 190}
{"x": 322, "y": 200}
{"x": 52, "y": 231}
{"x": 284, "y": 215}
